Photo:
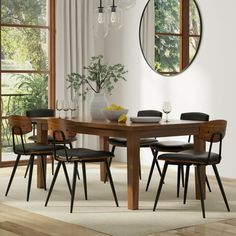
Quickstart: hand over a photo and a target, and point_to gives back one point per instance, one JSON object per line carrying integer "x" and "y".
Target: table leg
{"x": 104, "y": 145}
{"x": 199, "y": 145}
{"x": 42, "y": 135}
{"x": 133, "y": 152}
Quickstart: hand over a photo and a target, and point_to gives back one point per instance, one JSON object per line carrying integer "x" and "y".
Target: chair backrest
{"x": 150, "y": 113}
{"x": 41, "y": 112}
{"x": 213, "y": 131}
{"x": 20, "y": 125}
{"x": 198, "y": 116}
{"x": 61, "y": 129}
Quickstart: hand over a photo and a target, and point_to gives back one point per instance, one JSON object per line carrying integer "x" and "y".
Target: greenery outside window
{"x": 27, "y": 59}
{"x": 177, "y": 35}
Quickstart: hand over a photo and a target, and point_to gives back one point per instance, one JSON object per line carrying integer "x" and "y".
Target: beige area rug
{"x": 100, "y": 213}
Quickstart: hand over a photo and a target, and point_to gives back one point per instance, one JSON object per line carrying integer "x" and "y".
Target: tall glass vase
{"x": 98, "y": 103}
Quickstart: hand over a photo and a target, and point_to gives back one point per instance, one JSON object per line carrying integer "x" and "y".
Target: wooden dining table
{"x": 132, "y": 132}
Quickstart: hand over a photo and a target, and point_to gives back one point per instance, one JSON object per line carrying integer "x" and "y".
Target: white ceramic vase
{"x": 98, "y": 103}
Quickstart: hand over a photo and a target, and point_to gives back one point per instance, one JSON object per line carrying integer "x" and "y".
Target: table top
{"x": 104, "y": 123}
{"x": 162, "y": 128}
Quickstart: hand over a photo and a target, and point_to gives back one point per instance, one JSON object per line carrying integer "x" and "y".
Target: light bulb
{"x": 100, "y": 18}
{"x": 113, "y": 17}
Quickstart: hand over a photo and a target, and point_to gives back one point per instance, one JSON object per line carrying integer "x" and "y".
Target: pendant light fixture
{"x": 101, "y": 15}
{"x": 115, "y": 16}
{"x": 109, "y": 15}
{"x": 100, "y": 21}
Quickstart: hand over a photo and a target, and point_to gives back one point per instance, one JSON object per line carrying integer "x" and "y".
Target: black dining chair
{"x": 43, "y": 112}
{"x": 176, "y": 146}
{"x": 212, "y": 132}
{"x": 20, "y": 126}
{"x": 144, "y": 142}
{"x": 63, "y": 130}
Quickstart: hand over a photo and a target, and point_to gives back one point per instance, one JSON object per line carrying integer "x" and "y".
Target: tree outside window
{"x": 25, "y": 56}
{"x": 177, "y": 35}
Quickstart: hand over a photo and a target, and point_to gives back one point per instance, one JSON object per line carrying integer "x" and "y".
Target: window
{"x": 177, "y": 35}
{"x": 27, "y": 59}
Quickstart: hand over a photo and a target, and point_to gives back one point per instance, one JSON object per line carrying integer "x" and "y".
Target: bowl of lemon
{"x": 115, "y": 113}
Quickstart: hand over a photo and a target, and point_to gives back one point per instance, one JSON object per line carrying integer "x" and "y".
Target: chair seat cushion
{"x": 82, "y": 154}
{"x": 172, "y": 146}
{"x": 122, "y": 142}
{"x": 50, "y": 139}
{"x": 190, "y": 156}
{"x": 35, "y": 148}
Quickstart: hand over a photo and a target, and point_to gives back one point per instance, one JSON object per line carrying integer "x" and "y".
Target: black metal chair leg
{"x": 85, "y": 181}
{"x": 52, "y": 165}
{"x": 66, "y": 175}
{"x": 13, "y": 173}
{"x": 208, "y": 184}
{"x": 30, "y": 176}
{"x": 221, "y": 186}
{"x": 182, "y": 174}
{"x": 111, "y": 182}
{"x": 27, "y": 169}
{"x": 178, "y": 180}
{"x": 78, "y": 175}
{"x": 109, "y": 163}
{"x": 112, "y": 151}
{"x": 150, "y": 173}
{"x": 53, "y": 182}
{"x": 140, "y": 175}
{"x": 154, "y": 161}
{"x": 186, "y": 183}
{"x": 158, "y": 167}
{"x": 73, "y": 186}
{"x": 44, "y": 172}
{"x": 200, "y": 189}
{"x": 160, "y": 185}
{"x": 110, "y": 160}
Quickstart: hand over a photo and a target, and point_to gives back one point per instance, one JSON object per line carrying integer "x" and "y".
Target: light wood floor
{"x": 14, "y": 221}
{"x": 221, "y": 228}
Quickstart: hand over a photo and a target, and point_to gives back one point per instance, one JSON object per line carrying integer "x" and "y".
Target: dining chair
{"x": 20, "y": 126}
{"x": 43, "y": 112}
{"x": 63, "y": 130}
{"x": 144, "y": 142}
{"x": 176, "y": 146}
{"x": 212, "y": 132}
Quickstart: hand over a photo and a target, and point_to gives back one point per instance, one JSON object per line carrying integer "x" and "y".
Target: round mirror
{"x": 170, "y": 34}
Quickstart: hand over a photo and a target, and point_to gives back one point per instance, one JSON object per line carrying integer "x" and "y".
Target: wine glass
{"x": 59, "y": 106}
{"x": 166, "y": 109}
{"x": 73, "y": 107}
{"x": 65, "y": 107}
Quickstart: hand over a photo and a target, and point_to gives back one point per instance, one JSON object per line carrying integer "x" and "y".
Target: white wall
{"x": 207, "y": 85}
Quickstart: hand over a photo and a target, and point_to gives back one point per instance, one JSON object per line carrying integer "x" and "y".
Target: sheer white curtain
{"x": 75, "y": 44}
{"x": 147, "y": 36}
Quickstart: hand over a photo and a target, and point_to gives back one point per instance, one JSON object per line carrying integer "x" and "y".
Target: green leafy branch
{"x": 98, "y": 77}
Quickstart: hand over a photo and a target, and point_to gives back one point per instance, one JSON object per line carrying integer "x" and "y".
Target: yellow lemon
{"x": 114, "y": 107}
{"x": 122, "y": 118}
